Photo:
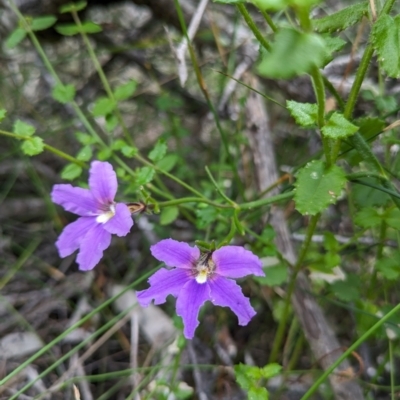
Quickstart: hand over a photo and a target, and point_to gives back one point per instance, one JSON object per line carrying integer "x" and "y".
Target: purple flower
{"x": 201, "y": 277}
{"x": 100, "y": 215}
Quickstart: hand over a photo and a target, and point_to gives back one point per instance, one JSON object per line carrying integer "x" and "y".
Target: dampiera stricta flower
{"x": 198, "y": 278}
{"x": 100, "y": 215}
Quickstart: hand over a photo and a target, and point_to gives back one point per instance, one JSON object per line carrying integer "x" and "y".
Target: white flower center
{"x": 204, "y": 268}
{"x": 106, "y": 215}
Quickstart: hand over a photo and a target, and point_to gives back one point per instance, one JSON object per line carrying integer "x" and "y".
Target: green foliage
{"x": 317, "y": 187}
{"x": 71, "y": 172}
{"x": 305, "y": 114}
{"x": 72, "y": 29}
{"x": 103, "y": 106}
{"x": 158, "y": 151}
{"x": 342, "y": 19}
{"x": 229, "y": 1}
{"x": 144, "y": 175}
{"x": 2, "y": 114}
{"x": 15, "y": 37}
{"x": 43, "y": 22}
{"x": 370, "y": 217}
{"x": 32, "y": 146}
{"x": 85, "y": 153}
{"x": 84, "y": 138}
{"x": 124, "y": 91}
{"x": 23, "y": 129}
{"x": 347, "y": 290}
{"x": 282, "y": 4}
{"x": 169, "y": 215}
{"x": 293, "y": 53}
{"x": 366, "y": 196}
{"x": 275, "y": 275}
{"x": 389, "y": 267}
{"x": 386, "y": 39}
{"x": 168, "y": 162}
{"x": 205, "y": 216}
{"x": 73, "y": 7}
{"x": 338, "y": 127}
{"x": 63, "y": 93}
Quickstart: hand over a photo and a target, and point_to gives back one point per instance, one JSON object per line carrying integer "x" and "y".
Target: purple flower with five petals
{"x": 199, "y": 277}
{"x": 100, "y": 215}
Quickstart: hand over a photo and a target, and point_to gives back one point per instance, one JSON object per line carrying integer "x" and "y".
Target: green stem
{"x": 348, "y": 352}
{"x": 183, "y": 200}
{"x": 286, "y": 309}
{"x": 223, "y": 195}
{"x": 263, "y": 202}
{"x": 269, "y": 20}
{"x": 249, "y": 21}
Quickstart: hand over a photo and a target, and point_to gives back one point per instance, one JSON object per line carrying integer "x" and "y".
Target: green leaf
{"x": 167, "y": 102}
{"x": 32, "y": 147}
{"x": 67, "y": 29}
{"x": 71, "y": 7}
{"x": 330, "y": 242}
{"x": 366, "y": 196}
{"x": 342, "y": 19}
{"x": 229, "y": 1}
{"x": 332, "y": 44}
{"x": 42, "y": 23}
{"x": 392, "y": 218}
{"x": 282, "y": 4}
{"x": 348, "y": 290}
{"x": 104, "y": 154}
{"x": 168, "y": 162}
{"x": 85, "y": 153}
{"x": 103, "y": 106}
{"x": 158, "y": 151}
{"x": 338, "y": 127}
{"x": 125, "y": 91}
{"x": 129, "y": 151}
{"x": 23, "y": 129}
{"x": 305, "y": 114}
{"x": 15, "y": 37}
{"x": 257, "y": 393}
{"x": 63, "y": 93}
{"x": 91, "y": 27}
{"x": 368, "y": 218}
{"x": 274, "y": 276}
{"x": 271, "y": 370}
{"x": 84, "y": 138}
{"x": 242, "y": 378}
{"x": 317, "y": 187}
{"x": 205, "y": 216}
{"x": 168, "y": 215}
{"x": 386, "y": 40}
{"x": 111, "y": 122}
{"x": 293, "y": 53}
{"x": 71, "y": 171}
{"x": 118, "y": 144}
{"x": 3, "y": 113}
{"x": 389, "y": 267}
{"x": 370, "y": 126}
{"x": 144, "y": 175}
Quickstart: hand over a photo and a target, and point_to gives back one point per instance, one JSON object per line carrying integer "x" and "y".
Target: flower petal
{"x": 227, "y": 293}
{"x": 121, "y": 223}
{"x": 163, "y": 283}
{"x": 92, "y": 247}
{"x": 72, "y": 235}
{"x": 102, "y": 181}
{"x": 191, "y": 297}
{"x": 236, "y": 262}
{"x": 175, "y": 254}
{"x": 74, "y": 199}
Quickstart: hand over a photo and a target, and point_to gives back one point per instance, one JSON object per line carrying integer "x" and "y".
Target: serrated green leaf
{"x": 67, "y": 29}
{"x": 386, "y": 40}
{"x": 129, "y": 151}
{"x": 43, "y": 22}
{"x": 158, "y": 151}
{"x": 258, "y": 393}
{"x": 63, "y": 93}
{"x": 242, "y": 377}
{"x": 84, "y": 138}
{"x": 392, "y": 218}
{"x": 305, "y": 114}
{"x": 15, "y": 37}
{"x": 71, "y": 171}
{"x": 70, "y": 7}
{"x": 317, "y": 187}
{"x": 389, "y": 267}
{"x": 348, "y": 290}
{"x": 168, "y": 162}
{"x": 368, "y": 218}
{"x": 332, "y": 44}
{"x": 342, "y": 19}
{"x": 2, "y": 114}
{"x": 103, "y": 106}
{"x": 293, "y": 53}
{"x": 33, "y": 147}
{"x": 144, "y": 175}
{"x": 91, "y": 27}
{"x": 118, "y": 144}
{"x": 124, "y": 91}
{"x": 85, "y": 153}
{"x": 338, "y": 127}
{"x": 271, "y": 370}
{"x": 104, "y": 154}
{"x": 274, "y": 276}
{"x": 23, "y": 129}
{"x": 205, "y": 216}
{"x": 168, "y": 215}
